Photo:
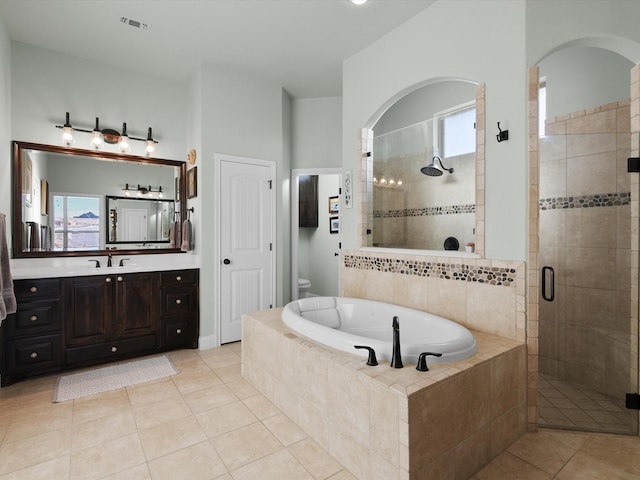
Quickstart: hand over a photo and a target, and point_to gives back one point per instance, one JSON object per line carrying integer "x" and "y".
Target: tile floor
{"x": 565, "y": 405}
{"x": 208, "y": 423}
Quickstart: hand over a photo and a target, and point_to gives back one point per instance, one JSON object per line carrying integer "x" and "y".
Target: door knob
{"x": 226, "y": 261}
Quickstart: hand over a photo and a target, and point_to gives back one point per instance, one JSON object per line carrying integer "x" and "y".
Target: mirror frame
{"x": 17, "y": 232}
{"x": 132, "y": 199}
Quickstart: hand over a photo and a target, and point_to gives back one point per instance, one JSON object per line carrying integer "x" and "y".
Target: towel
{"x": 34, "y": 236}
{"x": 7, "y": 297}
{"x": 186, "y": 244}
{"x": 172, "y": 235}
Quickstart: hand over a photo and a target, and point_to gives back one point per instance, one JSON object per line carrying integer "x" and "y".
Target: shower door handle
{"x": 547, "y": 272}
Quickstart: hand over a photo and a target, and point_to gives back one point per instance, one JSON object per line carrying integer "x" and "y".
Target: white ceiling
{"x": 298, "y": 43}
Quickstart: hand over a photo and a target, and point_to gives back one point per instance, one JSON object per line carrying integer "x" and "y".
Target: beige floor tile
{"x": 219, "y": 358}
{"x": 261, "y": 406}
{"x": 104, "y": 404}
{"x": 277, "y": 466}
{"x": 208, "y": 398}
{"x": 284, "y": 429}
{"x": 315, "y": 459}
{"x": 343, "y": 475}
{"x": 56, "y": 418}
{"x": 168, "y": 410}
{"x": 229, "y": 373}
{"x": 139, "y": 472}
{"x": 190, "y": 381}
{"x": 52, "y": 469}
{"x": 226, "y": 418}
{"x": 508, "y": 467}
{"x": 197, "y": 461}
{"x": 102, "y": 429}
{"x": 33, "y": 450}
{"x": 151, "y": 392}
{"x": 585, "y": 467}
{"x": 615, "y": 450}
{"x": 245, "y": 445}
{"x": 171, "y": 436}
{"x": 242, "y": 388}
{"x": 99, "y": 461}
{"x": 543, "y": 451}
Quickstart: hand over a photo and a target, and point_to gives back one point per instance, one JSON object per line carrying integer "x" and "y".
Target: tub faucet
{"x": 396, "y": 357}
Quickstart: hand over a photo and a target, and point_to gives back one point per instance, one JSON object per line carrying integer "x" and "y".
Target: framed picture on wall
{"x": 334, "y": 224}
{"x": 27, "y": 172}
{"x": 334, "y": 204}
{"x": 192, "y": 182}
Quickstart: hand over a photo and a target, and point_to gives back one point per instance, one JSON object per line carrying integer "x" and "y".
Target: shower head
{"x": 435, "y": 170}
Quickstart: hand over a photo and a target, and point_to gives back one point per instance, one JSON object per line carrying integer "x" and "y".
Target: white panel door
{"x": 246, "y": 242}
{"x": 134, "y": 225}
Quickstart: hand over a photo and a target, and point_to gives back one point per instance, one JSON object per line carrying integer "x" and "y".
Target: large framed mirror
{"x": 425, "y": 171}
{"x": 76, "y": 202}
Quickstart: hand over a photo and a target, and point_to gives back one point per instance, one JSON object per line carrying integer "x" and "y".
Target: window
{"x": 455, "y": 130}
{"x": 542, "y": 106}
{"x": 76, "y": 222}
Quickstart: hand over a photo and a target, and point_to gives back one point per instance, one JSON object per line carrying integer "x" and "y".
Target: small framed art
{"x": 192, "y": 182}
{"x": 334, "y": 224}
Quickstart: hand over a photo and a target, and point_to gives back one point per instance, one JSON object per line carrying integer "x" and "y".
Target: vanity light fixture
{"x": 124, "y": 139}
{"x": 96, "y": 135}
{"x": 106, "y": 135}
{"x": 141, "y": 191}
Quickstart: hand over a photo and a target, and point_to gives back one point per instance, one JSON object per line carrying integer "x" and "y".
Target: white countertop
{"x": 54, "y": 267}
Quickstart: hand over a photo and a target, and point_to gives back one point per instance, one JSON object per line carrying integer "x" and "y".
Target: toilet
{"x": 303, "y": 287}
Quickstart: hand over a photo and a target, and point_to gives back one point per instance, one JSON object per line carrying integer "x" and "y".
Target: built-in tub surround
{"x": 386, "y": 423}
{"x": 345, "y": 323}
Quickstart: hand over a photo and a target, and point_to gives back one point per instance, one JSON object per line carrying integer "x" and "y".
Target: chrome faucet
{"x": 396, "y": 356}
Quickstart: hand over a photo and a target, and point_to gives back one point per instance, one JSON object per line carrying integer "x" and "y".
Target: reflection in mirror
{"x": 70, "y": 201}
{"x": 411, "y": 209}
{"x": 138, "y": 220}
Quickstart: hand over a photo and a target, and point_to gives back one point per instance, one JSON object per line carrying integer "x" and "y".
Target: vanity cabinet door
{"x": 89, "y": 310}
{"x": 136, "y": 304}
{"x": 179, "y": 310}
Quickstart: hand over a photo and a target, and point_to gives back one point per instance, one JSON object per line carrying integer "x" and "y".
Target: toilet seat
{"x": 303, "y": 282}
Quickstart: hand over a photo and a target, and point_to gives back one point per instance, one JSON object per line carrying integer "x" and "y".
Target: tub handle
{"x": 372, "y": 360}
{"x": 548, "y": 272}
{"x": 422, "y": 361}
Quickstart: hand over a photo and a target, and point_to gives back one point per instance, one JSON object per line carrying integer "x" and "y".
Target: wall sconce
{"x": 141, "y": 191}
{"x": 106, "y": 135}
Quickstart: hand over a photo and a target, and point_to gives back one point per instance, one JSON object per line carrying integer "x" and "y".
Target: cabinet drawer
{"x": 178, "y": 333}
{"x": 115, "y": 349}
{"x": 178, "y": 277}
{"x": 27, "y": 290}
{"x": 34, "y": 318}
{"x": 177, "y": 301}
{"x": 33, "y": 354}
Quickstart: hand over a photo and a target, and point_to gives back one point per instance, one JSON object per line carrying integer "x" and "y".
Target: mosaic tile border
{"x": 500, "y": 276}
{"x": 586, "y": 201}
{"x": 425, "y": 211}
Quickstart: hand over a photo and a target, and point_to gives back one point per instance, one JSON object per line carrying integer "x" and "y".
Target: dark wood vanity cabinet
{"x": 76, "y": 321}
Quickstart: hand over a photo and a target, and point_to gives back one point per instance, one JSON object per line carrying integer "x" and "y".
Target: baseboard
{"x": 210, "y": 341}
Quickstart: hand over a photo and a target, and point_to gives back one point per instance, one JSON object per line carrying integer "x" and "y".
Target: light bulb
{"x": 67, "y": 135}
{"x": 358, "y": 2}
{"x": 124, "y": 139}
{"x": 151, "y": 146}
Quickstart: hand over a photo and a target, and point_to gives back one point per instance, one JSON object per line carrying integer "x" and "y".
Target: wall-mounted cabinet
{"x": 308, "y": 201}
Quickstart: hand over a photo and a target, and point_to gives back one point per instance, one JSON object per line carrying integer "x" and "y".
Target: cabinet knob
{"x": 178, "y": 278}
{"x": 178, "y": 302}
{"x": 114, "y": 349}
{"x": 108, "y": 279}
{"x": 178, "y": 331}
{"x": 34, "y": 355}
{"x": 119, "y": 279}
{"x": 33, "y": 289}
{"x": 33, "y": 318}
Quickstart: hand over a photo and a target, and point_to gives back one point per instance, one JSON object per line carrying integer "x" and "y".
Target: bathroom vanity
{"x": 75, "y": 321}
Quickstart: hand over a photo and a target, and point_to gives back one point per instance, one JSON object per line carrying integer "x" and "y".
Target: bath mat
{"x": 77, "y": 385}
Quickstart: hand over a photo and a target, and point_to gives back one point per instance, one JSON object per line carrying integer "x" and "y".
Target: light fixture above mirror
{"x": 106, "y": 135}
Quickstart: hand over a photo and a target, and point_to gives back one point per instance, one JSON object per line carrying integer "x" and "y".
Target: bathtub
{"x": 341, "y": 323}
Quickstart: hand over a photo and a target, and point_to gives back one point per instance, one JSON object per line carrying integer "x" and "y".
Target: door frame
{"x": 295, "y": 173}
{"x": 218, "y": 158}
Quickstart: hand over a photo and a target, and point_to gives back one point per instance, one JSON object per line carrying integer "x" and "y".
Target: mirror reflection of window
{"x": 76, "y": 222}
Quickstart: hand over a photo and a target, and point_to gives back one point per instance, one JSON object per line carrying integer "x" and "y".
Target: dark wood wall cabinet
{"x": 64, "y": 323}
{"x": 308, "y": 201}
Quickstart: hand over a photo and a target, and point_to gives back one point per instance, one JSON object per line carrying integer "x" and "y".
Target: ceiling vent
{"x": 135, "y": 24}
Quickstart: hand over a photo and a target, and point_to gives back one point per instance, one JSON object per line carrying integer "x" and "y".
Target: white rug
{"x": 113, "y": 377}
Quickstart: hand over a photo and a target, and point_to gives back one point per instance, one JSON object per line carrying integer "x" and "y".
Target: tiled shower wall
{"x": 585, "y": 232}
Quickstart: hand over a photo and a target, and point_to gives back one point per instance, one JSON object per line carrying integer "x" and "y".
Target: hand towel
{"x": 172, "y": 235}
{"x": 186, "y": 236}
{"x": 7, "y": 297}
